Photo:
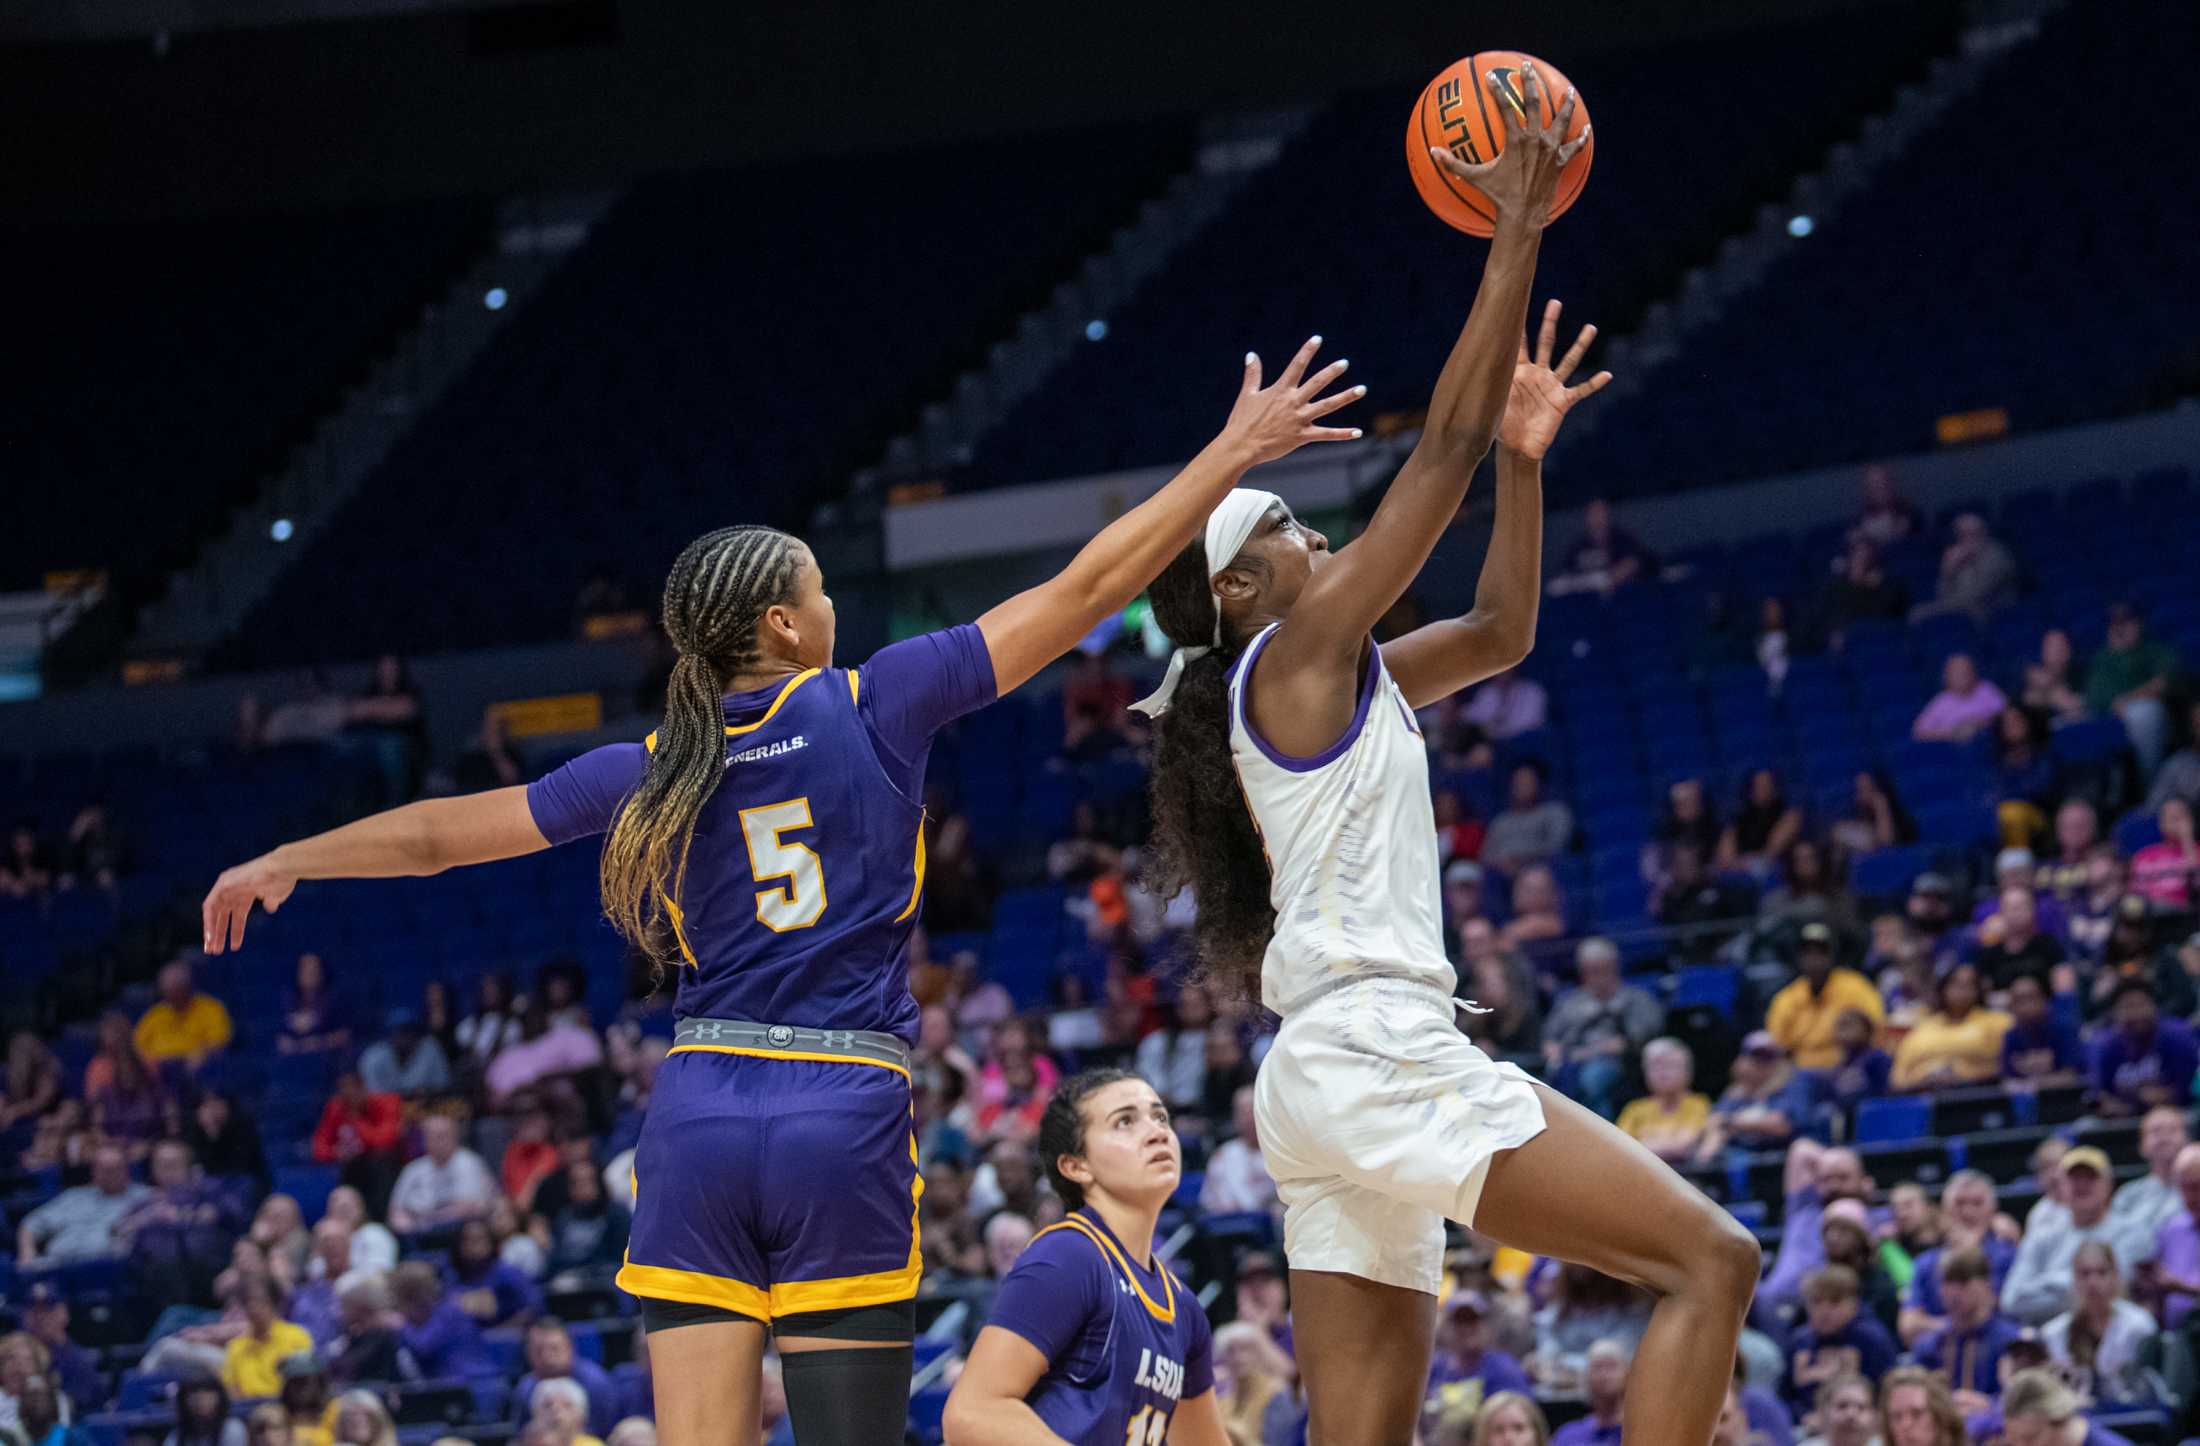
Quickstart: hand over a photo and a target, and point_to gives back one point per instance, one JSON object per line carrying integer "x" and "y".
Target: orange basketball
{"x": 1457, "y": 111}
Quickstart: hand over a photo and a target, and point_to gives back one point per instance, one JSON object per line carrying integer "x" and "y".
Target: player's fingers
{"x": 1508, "y": 104}
{"x": 238, "y": 910}
{"x": 1572, "y": 148}
{"x": 210, "y": 937}
{"x": 1297, "y": 368}
{"x": 1252, "y": 375}
{"x": 1588, "y": 388}
{"x": 1546, "y": 335}
{"x": 1464, "y": 170}
{"x": 1315, "y": 384}
{"x": 1575, "y": 353}
{"x": 1332, "y": 434}
{"x": 1325, "y": 405}
{"x": 1565, "y": 116}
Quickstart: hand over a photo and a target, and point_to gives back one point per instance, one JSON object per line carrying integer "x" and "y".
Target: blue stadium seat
{"x": 1886, "y": 873}
{"x": 1894, "y": 1117}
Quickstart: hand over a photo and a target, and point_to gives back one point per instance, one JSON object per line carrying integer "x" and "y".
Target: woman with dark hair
{"x": 312, "y": 1020}
{"x": 1809, "y": 892}
{"x": 32, "y": 1084}
{"x": 765, "y": 845}
{"x": 2027, "y": 779}
{"x": 202, "y": 1416}
{"x": 1959, "y": 1043}
{"x": 1916, "y": 1409}
{"x": 494, "y": 1022}
{"x": 387, "y": 718}
{"x": 131, "y": 1107}
{"x": 1291, "y": 795}
{"x": 492, "y": 1292}
{"x": 1174, "y": 1056}
{"x": 1092, "y": 1337}
{"x": 1874, "y": 818}
{"x": 1763, "y": 826}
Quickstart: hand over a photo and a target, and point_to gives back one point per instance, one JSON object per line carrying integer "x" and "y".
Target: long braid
{"x": 715, "y": 597}
{"x": 1203, "y": 834}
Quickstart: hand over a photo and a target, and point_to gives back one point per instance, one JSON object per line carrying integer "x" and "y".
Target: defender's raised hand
{"x": 1540, "y": 398}
{"x": 1523, "y": 177}
{"x": 1270, "y": 422}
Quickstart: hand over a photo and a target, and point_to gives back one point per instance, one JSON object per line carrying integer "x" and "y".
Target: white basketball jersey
{"x": 1351, "y": 840}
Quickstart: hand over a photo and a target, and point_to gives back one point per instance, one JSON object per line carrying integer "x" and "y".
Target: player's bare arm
{"x": 1305, "y": 699}
{"x": 987, "y": 1407}
{"x": 1035, "y": 627}
{"x": 1438, "y": 660}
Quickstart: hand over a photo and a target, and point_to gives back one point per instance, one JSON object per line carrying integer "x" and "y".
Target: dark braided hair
{"x": 714, "y": 600}
{"x": 1062, "y": 1127}
{"x": 1203, "y": 833}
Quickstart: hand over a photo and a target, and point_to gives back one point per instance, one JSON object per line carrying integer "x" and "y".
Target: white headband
{"x": 1228, "y": 526}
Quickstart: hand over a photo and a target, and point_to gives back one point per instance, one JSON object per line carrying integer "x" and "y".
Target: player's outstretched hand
{"x": 229, "y": 903}
{"x": 1523, "y": 177}
{"x": 1270, "y": 422}
{"x": 1540, "y": 398}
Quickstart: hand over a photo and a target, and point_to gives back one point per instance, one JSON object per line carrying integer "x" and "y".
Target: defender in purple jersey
{"x": 765, "y": 843}
{"x": 1092, "y": 1338}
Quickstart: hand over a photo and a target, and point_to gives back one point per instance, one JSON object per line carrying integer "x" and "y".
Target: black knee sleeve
{"x": 849, "y": 1398}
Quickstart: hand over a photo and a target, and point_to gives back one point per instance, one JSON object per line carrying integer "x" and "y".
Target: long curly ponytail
{"x": 714, "y": 599}
{"x": 1203, "y": 834}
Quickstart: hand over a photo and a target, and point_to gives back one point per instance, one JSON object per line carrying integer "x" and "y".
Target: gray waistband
{"x": 864, "y": 1044}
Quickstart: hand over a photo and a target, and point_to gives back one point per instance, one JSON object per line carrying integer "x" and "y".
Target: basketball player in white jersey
{"x": 1291, "y": 794}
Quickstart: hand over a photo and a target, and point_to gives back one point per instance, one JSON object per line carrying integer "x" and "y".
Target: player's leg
{"x": 706, "y": 1376}
{"x": 1363, "y": 1351}
{"x": 1584, "y": 1192}
{"x": 847, "y": 1392}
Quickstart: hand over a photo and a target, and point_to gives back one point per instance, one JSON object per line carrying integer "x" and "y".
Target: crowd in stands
{"x": 435, "y": 1244}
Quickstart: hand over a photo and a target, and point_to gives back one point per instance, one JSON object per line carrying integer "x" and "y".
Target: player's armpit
{"x": 1198, "y": 1422}
{"x": 987, "y": 1406}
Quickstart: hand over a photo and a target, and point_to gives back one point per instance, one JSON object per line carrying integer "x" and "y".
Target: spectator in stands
{"x": 1886, "y": 515}
{"x": 1604, "y": 1382}
{"x": 1967, "y": 1350}
{"x": 1931, "y": 909}
{"x": 446, "y": 1185}
{"x": 2179, "y": 775}
{"x": 482, "y": 1285}
{"x": 1861, "y": 591}
{"x": 1459, "y": 834}
{"x": 2146, "y": 1059}
{"x": 360, "y": 1132}
{"x": 436, "y": 1340}
{"x": 1815, "y": 1177}
{"x": 2130, "y": 953}
{"x": 46, "y": 1321}
{"x": 632, "y": 1381}
{"x": 1096, "y": 700}
{"x": 41, "y": 1415}
{"x": 183, "y": 1023}
{"x": 1670, "y": 1119}
{"x": 1763, "y": 1104}
{"x": 1688, "y": 818}
{"x": 1607, "y": 557}
{"x": 1763, "y": 826}
{"x": 2164, "y": 872}
{"x": 549, "y": 1050}
{"x": 2039, "y": 1282}
{"x": 1959, "y": 1043}
{"x": 366, "y": 1349}
{"x": 1848, "y": 1414}
{"x": 1237, "y": 1177}
{"x": 1864, "y": 1070}
{"x": 490, "y": 761}
{"x": 315, "y": 1303}
{"x": 1507, "y": 705}
{"x": 1086, "y": 854}
{"x": 1252, "y": 1377}
{"x": 95, "y": 856}
{"x": 1465, "y": 1351}
{"x": 1917, "y": 1410}
{"x": 559, "y": 1410}
{"x": 1977, "y": 574}
{"x": 278, "y": 1228}
{"x": 2175, "y": 1269}
{"x": 362, "y": 1420}
{"x": 1595, "y": 1031}
{"x": 304, "y": 1399}
{"x": 27, "y": 869}
{"x": 2152, "y": 1199}
{"x": 550, "y": 1356}
{"x": 407, "y": 1062}
{"x": 387, "y": 721}
{"x": 1014, "y": 1083}
{"x": 179, "y": 1237}
{"x": 373, "y": 1247}
{"x": 1802, "y": 1015}
{"x": 1968, "y": 1206}
{"x": 1845, "y": 1238}
{"x": 2011, "y": 942}
{"x": 2065, "y": 874}
{"x": 131, "y": 1106}
{"x": 2093, "y": 911}
{"x": 1774, "y": 645}
{"x": 31, "y": 1085}
{"x": 312, "y": 1022}
{"x": 2097, "y": 1342}
{"x": 2027, "y": 777}
{"x": 1874, "y": 819}
{"x": 250, "y": 1362}
{"x": 202, "y": 1416}
{"x": 1502, "y": 982}
{"x": 2050, "y": 681}
{"x": 227, "y": 1144}
{"x": 588, "y": 1229}
{"x": 1587, "y": 1309}
{"x": 1808, "y": 892}
{"x": 1532, "y": 829}
{"x": 958, "y": 890}
{"x": 1510, "y": 1418}
{"x": 2040, "y": 1050}
{"x": 494, "y": 1023}
{"x": 1838, "y": 1339}
{"x": 1965, "y": 704}
{"x": 1690, "y": 900}
{"x": 1174, "y": 1057}
{"x": 2130, "y": 679}
{"x": 268, "y": 1424}
{"x": 1538, "y": 909}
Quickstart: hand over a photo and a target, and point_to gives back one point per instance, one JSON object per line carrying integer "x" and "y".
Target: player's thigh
{"x": 1363, "y": 1353}
{"x": 1584, "y": 1192}
{"x": 838, "y": 1191}
{"x": 707, "y": 1380}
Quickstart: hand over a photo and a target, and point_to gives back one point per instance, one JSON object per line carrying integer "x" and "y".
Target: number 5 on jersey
{"x": 798, "y": 900}
{"x": 1150, "y": 1427}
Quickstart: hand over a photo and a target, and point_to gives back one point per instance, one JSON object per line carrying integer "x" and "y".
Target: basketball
{"x": 1457, "y": 111}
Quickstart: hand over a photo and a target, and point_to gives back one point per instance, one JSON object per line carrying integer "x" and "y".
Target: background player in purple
{"x": 766, "y": 842}
{"x": 1092, "y": 1339}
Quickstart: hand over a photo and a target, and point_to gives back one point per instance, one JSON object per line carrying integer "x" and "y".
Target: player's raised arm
{"x": 420, "y": 838}
{"x": 1320, "y": 641}
{"x": 1438, "y": 660}
{"x": 1035, "y": 627}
